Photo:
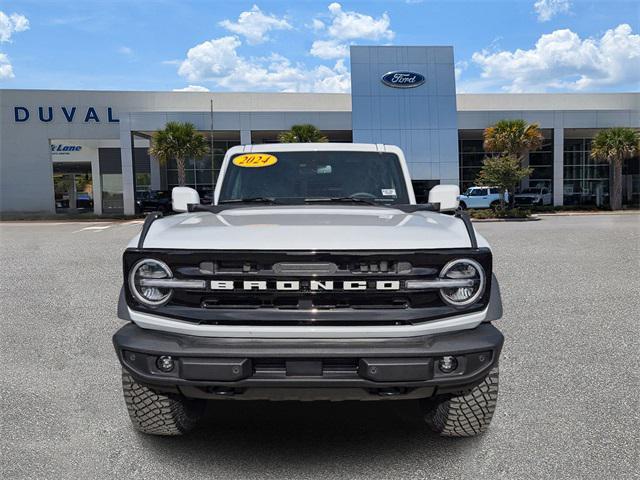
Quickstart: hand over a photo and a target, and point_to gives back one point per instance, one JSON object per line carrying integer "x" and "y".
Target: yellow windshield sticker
{"x": 255, "y": 160}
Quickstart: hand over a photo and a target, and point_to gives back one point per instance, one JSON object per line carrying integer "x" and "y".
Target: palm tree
{"x": 302, "y": 134}
{"x": 614, "y": 146}
{"x": 514, "y": 138}
{"x": 178, "y": 141}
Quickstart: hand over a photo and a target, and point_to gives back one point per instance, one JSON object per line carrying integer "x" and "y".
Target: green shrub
{"x": 486, "y": 213}
{"x": 515, "y": 213}
{"x": 500, "y": 213}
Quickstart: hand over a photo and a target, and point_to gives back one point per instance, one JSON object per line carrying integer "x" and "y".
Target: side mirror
{"x": 181, "y": 197}
{"x": 446, "y": 196}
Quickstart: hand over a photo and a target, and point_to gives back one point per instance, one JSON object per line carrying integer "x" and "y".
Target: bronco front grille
{"x": 292, "y": 288}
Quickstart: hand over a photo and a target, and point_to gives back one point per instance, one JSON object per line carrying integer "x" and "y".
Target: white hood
{"x": 308, "y": 228}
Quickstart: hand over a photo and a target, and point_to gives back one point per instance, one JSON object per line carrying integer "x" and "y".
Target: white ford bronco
{"x": 313, "y": 275}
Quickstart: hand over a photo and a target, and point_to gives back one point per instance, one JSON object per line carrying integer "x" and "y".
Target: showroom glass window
{"x": 471, "y": 156}
{"x": 586, "y": 181}
{"x": 201, "y": 173}
{"x": 542, "y": 163}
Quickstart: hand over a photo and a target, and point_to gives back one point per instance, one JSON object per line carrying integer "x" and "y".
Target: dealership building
{"x": 73, "y": 151}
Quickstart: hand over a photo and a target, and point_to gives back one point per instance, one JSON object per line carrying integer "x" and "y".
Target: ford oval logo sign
{"x": 403, "y": 79}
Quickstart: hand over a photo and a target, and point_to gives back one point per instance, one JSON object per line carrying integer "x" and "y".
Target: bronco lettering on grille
{"x": 313, "y": 285}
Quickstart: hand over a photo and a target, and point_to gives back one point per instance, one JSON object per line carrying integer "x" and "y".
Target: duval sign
{"x": 69, "y": 114}
{"x": 401, "y": 79}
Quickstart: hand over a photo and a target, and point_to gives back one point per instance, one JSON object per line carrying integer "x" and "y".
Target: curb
{"x": 577, "y": 214}
{"x": 51, "y": 219}
{"x": 490, "y": 220}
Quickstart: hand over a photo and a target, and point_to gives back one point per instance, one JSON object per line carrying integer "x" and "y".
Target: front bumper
{"x": 334, "y": 369}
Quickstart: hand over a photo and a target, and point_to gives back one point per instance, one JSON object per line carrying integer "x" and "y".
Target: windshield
{"x": 299, "y": 176}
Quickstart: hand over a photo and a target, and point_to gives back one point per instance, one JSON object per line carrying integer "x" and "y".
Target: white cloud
{"x": 460, "y": 67}
{"x": 354, "y": 25}
{"x": 192, "y": 88}
{"x": 128, "y": 51}
{"x": 561, "y": 60}
{"x": 6, "y": 70}
{"x": 317, "y": 25}
{"x": 327, "y": 80}
{"x": 346, "y": 26}
{"x": 327, "y": 49}
{"x": 210, "y": 59}
{"x": 547, "y": 9}
{"x": 10, "y": 24}
{"x": 255, "y": 24}
{"x": 217, "y": 61}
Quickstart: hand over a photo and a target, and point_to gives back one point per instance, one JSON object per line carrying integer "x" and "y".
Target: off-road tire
{"x": 465, "y": 415}
{"x": 156, "y": 413}
{"x": 463, "y": 206}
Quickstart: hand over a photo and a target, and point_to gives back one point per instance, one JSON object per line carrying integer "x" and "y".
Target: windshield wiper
{"x": 422, "y": 207}
{"x": 345, "y": 200}
{"x": 232, "y": 203}
{"x": 239, "y": 203}
{"x": 270, "y": 200}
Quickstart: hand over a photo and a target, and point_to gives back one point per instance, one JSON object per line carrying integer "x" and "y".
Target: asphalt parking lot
{"x": 569, "y": 393}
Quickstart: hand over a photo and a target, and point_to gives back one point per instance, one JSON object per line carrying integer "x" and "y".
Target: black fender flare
{"x": 123, "y": 310}
{"x": 494, "y": 311}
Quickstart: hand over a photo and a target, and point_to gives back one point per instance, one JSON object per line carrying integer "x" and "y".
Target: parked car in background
{"x": 140, "y": 197}
{"x": 206, "y": 196}
{"x": 533, "y": 196}
{"x": 481, "y": 197}
{"x": 84, "y": 200}
{"x": 62, "y": 200}
{"x": 154, "y": 201}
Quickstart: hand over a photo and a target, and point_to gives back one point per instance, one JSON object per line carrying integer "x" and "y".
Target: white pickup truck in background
{"x": 533, "y": 196}
{"x": 481, "y": 197}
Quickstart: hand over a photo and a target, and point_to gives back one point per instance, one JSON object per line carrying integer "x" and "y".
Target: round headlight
{"x": 149, "y": 269}
{"x": 463, "y": 269}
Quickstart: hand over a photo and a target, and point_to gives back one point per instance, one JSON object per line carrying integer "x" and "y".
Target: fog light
{"x": 165, "y": 363}
{"x": 447, "y": 364}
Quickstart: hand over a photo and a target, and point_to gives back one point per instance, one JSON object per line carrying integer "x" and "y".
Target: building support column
{"x": 126, "y": 158}
{"x": 245, "y": 137}
{"x": 558, "y": 166}
{"x": 96, "y": 184}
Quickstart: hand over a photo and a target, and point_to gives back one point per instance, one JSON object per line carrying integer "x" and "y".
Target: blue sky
{"x": 515, "y": 46}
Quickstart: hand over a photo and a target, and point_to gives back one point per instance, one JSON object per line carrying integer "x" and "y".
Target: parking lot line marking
{"x": 37, "y": 223}
{"x": 95, "y": 228}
